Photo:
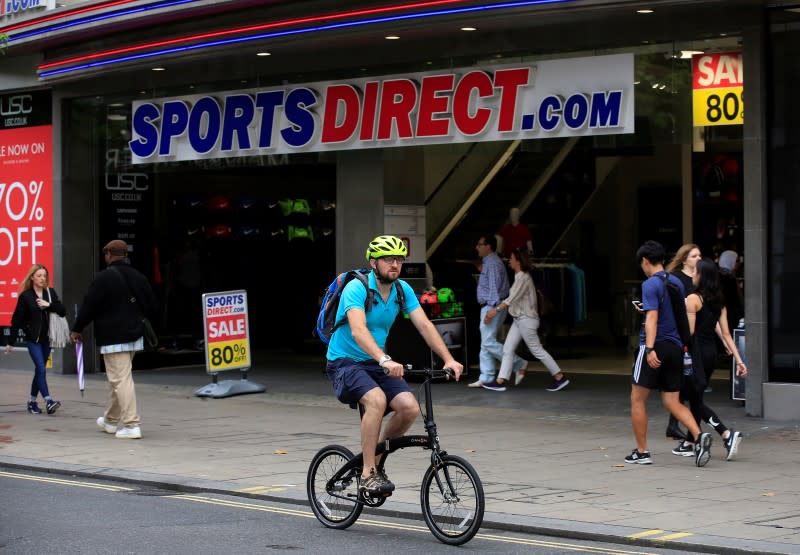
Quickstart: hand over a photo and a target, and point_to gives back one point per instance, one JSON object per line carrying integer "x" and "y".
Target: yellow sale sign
{"x": 717, "y": 89}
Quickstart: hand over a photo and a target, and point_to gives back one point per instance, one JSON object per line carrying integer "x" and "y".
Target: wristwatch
{"x": 648, "y": 350}
{"x": 384, "y": 358}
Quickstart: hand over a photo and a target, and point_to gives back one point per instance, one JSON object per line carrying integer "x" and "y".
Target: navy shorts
{"x": 668, "y": 376}
{"x": 352, "y": 380}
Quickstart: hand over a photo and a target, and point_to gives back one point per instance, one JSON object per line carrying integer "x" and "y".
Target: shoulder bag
{"x": 58, "y": 328}
{"x": 149, "y": 333}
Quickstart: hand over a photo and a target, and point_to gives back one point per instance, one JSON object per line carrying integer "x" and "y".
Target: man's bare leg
{"x": 639, "y": 397}
{"x": 374, "y": 402}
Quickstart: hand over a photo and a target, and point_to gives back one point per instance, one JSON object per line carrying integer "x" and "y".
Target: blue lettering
{"x": 301, "y": 120}
{"x": 549, "y": 111}
{"x": 208, "y": 107}
{"x": 606, "y": 109}
{"x": 267, "y": 101}
{"x": 239, "y": 112}
{"x": 145, "y": 145}
{"x": 173, "y": 124}
{"x": 575, "y": 111}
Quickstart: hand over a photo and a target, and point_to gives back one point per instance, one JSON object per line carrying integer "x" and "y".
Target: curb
{"x": 494, "y": 521}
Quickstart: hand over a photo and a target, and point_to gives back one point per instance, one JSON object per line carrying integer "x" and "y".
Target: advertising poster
{"x": 225, "y": 319}
{"x": 26, "y": 193}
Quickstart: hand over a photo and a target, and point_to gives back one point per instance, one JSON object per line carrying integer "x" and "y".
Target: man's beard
{"x": 384, "y": 278}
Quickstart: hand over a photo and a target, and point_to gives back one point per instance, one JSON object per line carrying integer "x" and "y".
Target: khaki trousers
{"x": 122, "y": 405}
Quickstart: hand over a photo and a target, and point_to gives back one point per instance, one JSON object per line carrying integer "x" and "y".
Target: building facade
{"x": 220, "y": 137}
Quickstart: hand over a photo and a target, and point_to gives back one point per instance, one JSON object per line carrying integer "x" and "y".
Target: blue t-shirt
{"x": 654, "y": 297}
{"x": 379, "y": 318}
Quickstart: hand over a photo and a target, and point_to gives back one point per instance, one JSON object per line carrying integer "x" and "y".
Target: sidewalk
{"x": 550, "y": 462}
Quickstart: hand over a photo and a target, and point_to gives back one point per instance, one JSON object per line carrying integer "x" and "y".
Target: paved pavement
{"x": 550, "y": 462}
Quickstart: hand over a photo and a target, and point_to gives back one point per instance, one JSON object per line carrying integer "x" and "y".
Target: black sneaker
{"x": 558, "y": 385}
{"x": 494, "y": 386}
{"x": 732, "y": 444}
{"x": 684, "y": 449}
{"x": 52, "y": 406}
{"x": 33, "y": 407}
{"x": 376, "y": 484}
{"x": 702, "y": 449}
{"x": 639, "y": 458}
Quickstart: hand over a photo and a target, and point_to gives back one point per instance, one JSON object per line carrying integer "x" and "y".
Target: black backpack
{"x": 678, "y": 303}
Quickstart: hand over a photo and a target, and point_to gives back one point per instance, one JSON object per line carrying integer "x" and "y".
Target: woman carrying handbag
{"x": 32, "y": 315}
{"x": 522, "y": 305}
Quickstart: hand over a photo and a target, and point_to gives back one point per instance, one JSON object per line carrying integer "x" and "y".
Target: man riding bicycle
{"x": 359, "y": 368}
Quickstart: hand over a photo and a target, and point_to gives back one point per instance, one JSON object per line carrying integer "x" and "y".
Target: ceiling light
{"x": 687, "y": 54}
{"x": 468, "y": 29}
{"x": 655, "y": 85}
{"x": 116, "y": 117}
{"x": 158, "y": 69}
{"x": 645, "y": 11}
{"x": 263, "y": 54}
{"x": 662, "y": 87}
{"x": 392, "y": 37}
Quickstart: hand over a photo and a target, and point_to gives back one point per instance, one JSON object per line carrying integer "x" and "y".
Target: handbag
{"x": 58, "y": 330}
{"x": 148, "y": 332}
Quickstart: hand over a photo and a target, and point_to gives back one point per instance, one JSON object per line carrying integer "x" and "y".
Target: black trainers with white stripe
{"x": 732, "y": 444}
{"x": 639, "y": 458}
{"x": 702, "y": 449}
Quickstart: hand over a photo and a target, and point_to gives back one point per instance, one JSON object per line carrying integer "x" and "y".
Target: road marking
{"x": 259, "y": 489}
{"x": 76, "y": 483}
{"x": 674, "y": 536}
{"x": 645, "y": 534}
{"x": 406, "y": 527}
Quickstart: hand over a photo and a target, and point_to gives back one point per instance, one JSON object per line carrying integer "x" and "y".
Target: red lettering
{"x": 431, "y": 104}
{"x": 465, "y": 122}
{"x": 346, "y": 97}
{"x": 509, "y": 81}
{"x": 368, "y": 112}
{"x": 398, "y": 99}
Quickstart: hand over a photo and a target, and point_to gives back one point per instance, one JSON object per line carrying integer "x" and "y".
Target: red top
{"x": 515, "y": 237}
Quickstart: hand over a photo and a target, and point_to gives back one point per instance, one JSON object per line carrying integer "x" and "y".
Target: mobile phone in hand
{"x": 637, "y": 305}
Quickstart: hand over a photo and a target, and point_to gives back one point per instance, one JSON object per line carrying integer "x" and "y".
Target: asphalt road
{"x": 42, "y": 514}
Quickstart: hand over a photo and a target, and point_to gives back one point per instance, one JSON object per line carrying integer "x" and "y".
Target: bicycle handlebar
{"x": 428, "y": 372}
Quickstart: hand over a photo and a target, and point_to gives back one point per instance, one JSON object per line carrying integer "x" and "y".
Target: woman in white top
{"x": 521, "y": 304}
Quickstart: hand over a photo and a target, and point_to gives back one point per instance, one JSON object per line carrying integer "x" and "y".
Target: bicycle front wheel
{"x": 335, "y": 506}
{"x": 452, "y": 501}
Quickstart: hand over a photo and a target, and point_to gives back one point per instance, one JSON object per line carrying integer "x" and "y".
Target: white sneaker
{"x": 107, "y": 428}
{"x": 129, "y": 433}
{"x": 476, "y": 383}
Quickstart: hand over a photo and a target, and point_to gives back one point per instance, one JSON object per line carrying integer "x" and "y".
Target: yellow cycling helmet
{"x": 386, "y": 245}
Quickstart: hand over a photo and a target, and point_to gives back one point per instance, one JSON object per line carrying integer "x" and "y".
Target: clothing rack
{"x": 561, "y": 281}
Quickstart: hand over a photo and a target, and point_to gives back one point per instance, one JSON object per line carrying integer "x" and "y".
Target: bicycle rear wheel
{"x": 452, "y": 501}
{"x": 335, "y": 507}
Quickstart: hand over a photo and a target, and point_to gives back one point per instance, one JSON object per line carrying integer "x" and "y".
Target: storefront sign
{"x": 717, "y": 89}
{"x": 556, "y": 98}
{"x": 26, "y": 194}
{"x": 22, "y": 9}
{"x": 226, "y": 329}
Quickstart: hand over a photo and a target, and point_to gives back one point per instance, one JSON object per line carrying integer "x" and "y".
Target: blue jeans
{"x": 39, "y": 354}
{"x": 491, "y": 349}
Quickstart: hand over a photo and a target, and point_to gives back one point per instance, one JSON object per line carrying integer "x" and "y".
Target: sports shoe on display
{"x": 377, "y": 483}
{"x": 129, "y": 433}
{"x": 107, "y": 428}
{"x": 558, "y": 385}
{"x": 702, "y": 449}
{"x": 476, "y": 383}
{"x": 494, "y": 386}
{"x": 33, "y": 407}
{"x": 52, "y": 406}
{"x": 639, "y": 458}
{"x": 732, "y": 444}
{"x": 684, "y": 449}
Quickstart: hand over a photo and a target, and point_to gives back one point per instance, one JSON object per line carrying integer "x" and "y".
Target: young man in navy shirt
{"x": 658, "y": 363}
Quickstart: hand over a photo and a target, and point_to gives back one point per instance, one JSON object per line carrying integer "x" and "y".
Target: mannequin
{"x": 514, "y": 235}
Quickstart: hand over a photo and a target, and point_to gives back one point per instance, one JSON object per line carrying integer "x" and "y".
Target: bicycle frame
{"x": 389, "y": 446}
